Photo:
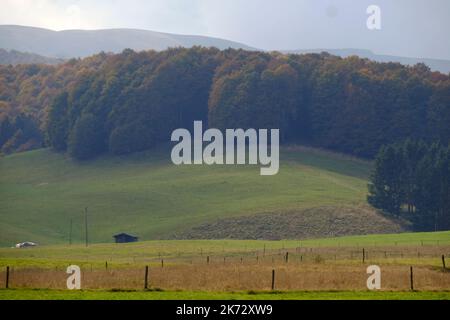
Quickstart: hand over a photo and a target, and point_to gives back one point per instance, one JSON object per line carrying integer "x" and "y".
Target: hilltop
{"x": 82, "y": 43}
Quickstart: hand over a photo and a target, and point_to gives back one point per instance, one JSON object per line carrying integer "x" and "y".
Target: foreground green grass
{"x": 145, "y": 194}
{"x": 180, "y": 295}
{"x": 146, "y": 252}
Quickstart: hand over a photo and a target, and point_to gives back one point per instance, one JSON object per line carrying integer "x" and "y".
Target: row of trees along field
{"x": 132, "y": 101}
{"x": 413, "y": 177}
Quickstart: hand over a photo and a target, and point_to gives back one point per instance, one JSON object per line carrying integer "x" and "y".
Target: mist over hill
{"x": 83, "y": 43}
{"x": 14, "y": 57}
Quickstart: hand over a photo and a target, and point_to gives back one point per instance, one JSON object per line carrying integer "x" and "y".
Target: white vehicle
{"x": 26, "y": 245}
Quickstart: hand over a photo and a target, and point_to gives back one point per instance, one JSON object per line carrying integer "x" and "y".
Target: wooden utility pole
{"x": 70, "y": 233}
{"x": 146, "y": 278}
{"x": 273, "y": 279}
{"x": 7, "y": 278}
{"x": 86, "y": 225}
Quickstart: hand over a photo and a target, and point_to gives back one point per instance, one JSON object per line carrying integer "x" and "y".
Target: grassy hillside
{"x": 146, "y": 195}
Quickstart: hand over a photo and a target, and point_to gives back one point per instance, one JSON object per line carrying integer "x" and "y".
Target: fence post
{"x": 273, "y": 279}
{"x": 146, "y": 278}
{"x": 7, "y": 277}
{"x": 411, "y": 275}
{"x": 162, "y": 263}
{"x": 364, "y": 255}
{"x": 287, "y": 257}
{"x": 106, "y": 265}
{"x": 443, "y": 262}
{"x": 207, "y": 259}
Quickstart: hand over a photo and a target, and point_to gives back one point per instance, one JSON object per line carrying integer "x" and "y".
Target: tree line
{"x": 132, "y": 101}
{"x": 413, "y": 179}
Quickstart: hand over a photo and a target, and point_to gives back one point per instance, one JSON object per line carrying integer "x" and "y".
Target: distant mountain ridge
{"x": 82, "y": 43}
{"x": 434, "y": 64}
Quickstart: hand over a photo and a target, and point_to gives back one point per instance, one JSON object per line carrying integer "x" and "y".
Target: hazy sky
{"x": 414, "y": 28}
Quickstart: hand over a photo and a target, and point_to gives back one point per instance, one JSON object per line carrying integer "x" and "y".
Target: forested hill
{"x": 16, "y": 57}
{"x": 434, "y": 64}
{"x": 132, "y": 101}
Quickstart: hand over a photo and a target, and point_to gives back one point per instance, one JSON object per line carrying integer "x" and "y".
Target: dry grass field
{"x": 236, "y": 277}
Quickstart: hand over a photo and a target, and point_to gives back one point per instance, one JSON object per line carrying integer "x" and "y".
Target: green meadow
{"x": 41, "y": 192}
{"x": 148, "y": 252}
{"x": 183, "y": 295}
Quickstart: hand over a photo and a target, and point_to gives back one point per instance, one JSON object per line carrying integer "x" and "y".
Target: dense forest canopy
{"x": 132, "y": 101}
